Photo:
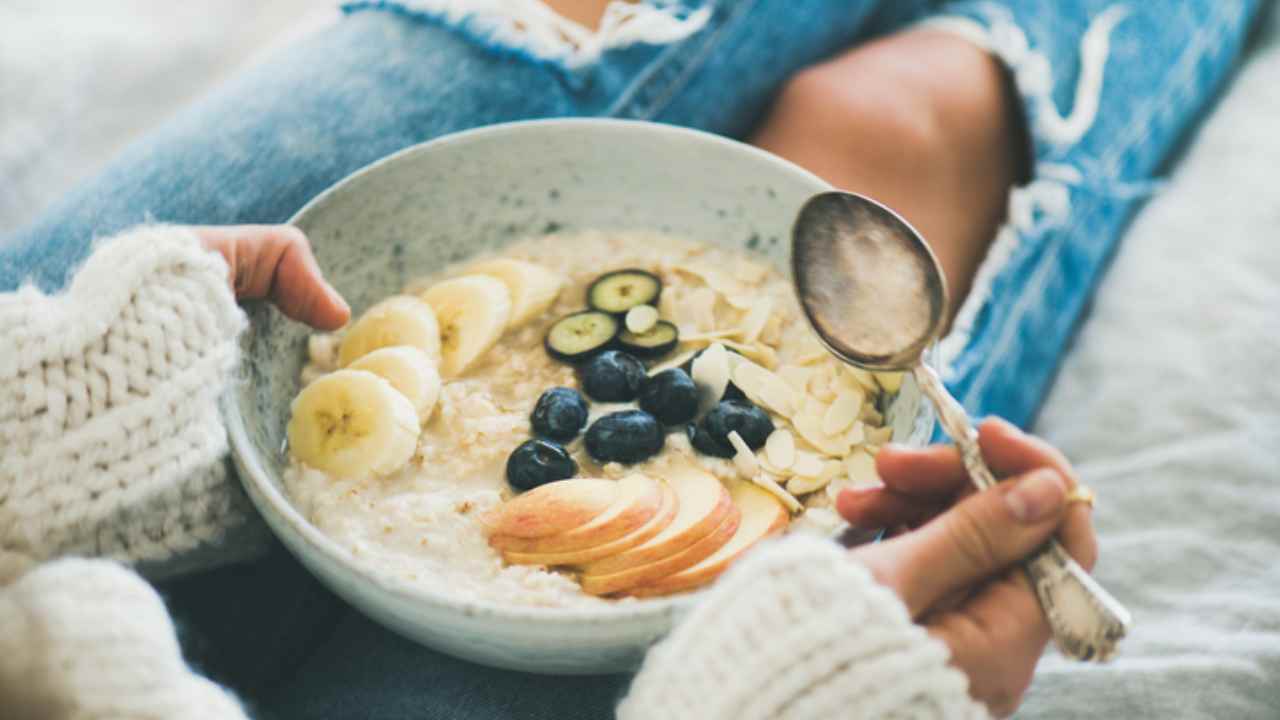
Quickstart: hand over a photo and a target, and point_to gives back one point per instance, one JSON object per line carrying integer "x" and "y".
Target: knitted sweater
{"x": 111, "y": 445}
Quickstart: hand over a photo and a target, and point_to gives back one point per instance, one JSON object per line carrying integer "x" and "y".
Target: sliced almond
{"x": 797, "y": 376}
{"x": 890, "y": 381}
{"x": 772, "y": 333}
{"x": 770, "y": 468}
{"x": 820, "y": 384}
{"x": 843, "y": 412}
{"x": 765, "y": 388}
{"x": 706, "y": 338}
{"x": 780, "y": 448}
{"x": 864, "y": 378}
{"x": 710, "y": 373}
{"x": 756, "y": 317}
{"x": 743, "y": 458}
{"x": 762, "y": 354}
{"x": 810, "y": 428}
{"x": 856, "y": 434}
{"x": 767, "y": 482}
{"x": 700, "y": 309}
{"x": 808, "y": 464}
{"x": 879, "y": 436}
{"x": 668, "y": 303}
{"x": 801, "y": 485}
{"x": 743, "y": 301}
{"x": 675, "y": 362}
{"x": 861, "y": 468}
{"x": 642, "y": 318}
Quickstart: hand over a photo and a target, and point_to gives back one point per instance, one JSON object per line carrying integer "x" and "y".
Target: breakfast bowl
{"x": 467, "y": 196}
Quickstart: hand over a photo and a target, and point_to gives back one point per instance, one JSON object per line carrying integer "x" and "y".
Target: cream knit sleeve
{"x": 110, "y": 438}
{"x": 798, "y": 630}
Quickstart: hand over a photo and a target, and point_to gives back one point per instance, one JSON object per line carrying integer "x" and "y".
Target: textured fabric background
{"x": 1169, "y": 402}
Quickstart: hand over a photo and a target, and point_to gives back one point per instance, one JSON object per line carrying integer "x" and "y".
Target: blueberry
{"x": 731, "y": 391}
{"x": 670, "y": 396}
{"x": 613, "y": 376}
{"x": 705, "y": 444}
{"x": 538, "y": 462}
{"x": 628, "y": 437}
{"x": 752, "y": 423}
{"x": 560, "y": 414}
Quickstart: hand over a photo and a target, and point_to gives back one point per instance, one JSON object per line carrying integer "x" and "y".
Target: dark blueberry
{"x": 705, "y": 444}
{"x": 613, "y": 376}
{"x": 627, "y": 437}
{"x": 560, "y": 414}
{"x": 670, "y": 396}
{"x": 731, "y": 391}
{"x": 538, "y": 462}
{"x": 752, "y": 423}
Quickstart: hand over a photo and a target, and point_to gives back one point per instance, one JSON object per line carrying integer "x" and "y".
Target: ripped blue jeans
{"x": 1109, "y": 89}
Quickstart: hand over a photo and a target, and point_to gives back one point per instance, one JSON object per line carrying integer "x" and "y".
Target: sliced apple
{"x": 639, "y": 497}
{"x": 762, "y": 516}
{"x": 553, "y": 508}
{"x": 690, "y": 556}
{"x": 703, "y": 504}
{"x": 659, "y": 522}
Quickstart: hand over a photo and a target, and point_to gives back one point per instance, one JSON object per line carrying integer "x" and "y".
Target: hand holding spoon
{"x": 874, "y": 293}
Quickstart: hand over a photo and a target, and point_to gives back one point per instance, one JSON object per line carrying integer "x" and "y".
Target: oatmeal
{"x": 680, "y": 375}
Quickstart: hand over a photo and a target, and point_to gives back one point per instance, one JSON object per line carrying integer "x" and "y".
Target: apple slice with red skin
{"x": 690, "y": 556}
{"x": 638, "y": 500}
{"x": 704, "y": 503}
{"x": 551, "y": 509}
{"x": 762, "y": 516}
{"x": 659, "y": 522}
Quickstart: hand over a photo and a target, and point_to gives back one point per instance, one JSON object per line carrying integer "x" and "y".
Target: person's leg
{"x": 916, "y": 120}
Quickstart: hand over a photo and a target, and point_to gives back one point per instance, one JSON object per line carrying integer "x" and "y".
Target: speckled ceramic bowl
{"x": 464, "y": 194}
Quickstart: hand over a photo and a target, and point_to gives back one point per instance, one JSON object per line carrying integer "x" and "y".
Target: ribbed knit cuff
{"x": 799, "y": 630}
{"x": 108, "y": 405}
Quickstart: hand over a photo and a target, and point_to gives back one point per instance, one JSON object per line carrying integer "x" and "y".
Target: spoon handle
{"x": 1087, "y": 621}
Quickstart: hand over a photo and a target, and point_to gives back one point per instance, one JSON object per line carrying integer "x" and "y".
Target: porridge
{"x": 581, "y": 419}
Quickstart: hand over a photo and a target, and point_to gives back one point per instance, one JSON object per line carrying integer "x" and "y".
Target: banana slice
{"x": 398, "y": 320}
{"x": 351, "y": 424}
{"x": 533, "y": 288}
{"x": 410, "y": 371}
{"x": 473, "y": 311}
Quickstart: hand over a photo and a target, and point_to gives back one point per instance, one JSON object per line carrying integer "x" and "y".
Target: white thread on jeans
{"x": 533, "y": 27}
{"x": 1046, "y": 200}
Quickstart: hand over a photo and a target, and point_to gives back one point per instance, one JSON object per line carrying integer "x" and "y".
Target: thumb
{"x": 975, "y": 540}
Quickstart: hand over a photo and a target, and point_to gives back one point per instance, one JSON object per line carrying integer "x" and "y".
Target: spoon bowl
{"x": 875, "y": 295}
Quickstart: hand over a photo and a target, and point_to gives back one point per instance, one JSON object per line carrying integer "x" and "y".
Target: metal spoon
{"x": 873, "y": 291}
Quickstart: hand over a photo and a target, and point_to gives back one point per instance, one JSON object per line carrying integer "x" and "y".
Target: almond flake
{"x": 740, "y": 302}
{"x": 870, "y": 415}
{"x": 641, "y": 318}
{"x": 700, "y": 309}
{"x": 800, "y": 485}
{"x": 861, "y": 468}
{"x": 807, "y": 465}
{"x": 706, "y": 338}
{"x": 743, "y": 459}
{"x": 677, "y": 361}
{"x": 710, "y": 373}
{"x": 764, "y": 355}
{"x": 810, "y": 428}
{"x": 667, "y": 303}
{"x": 712, "y": 278}
{"x": 857, "y": 433}
{"x": 820, "y": 384}
{"x": 765, "y": 388}
{"x": 830, "y": 469}
{"x": 864, "y": 378}
{"x": 819, "y": 522}
{"x": 770, "y": 484}
{"x": 756, "y": 317}
{"x": 890, "y": 381}
{"x": 772, "y": 332}
{"x": 879, "y": 436}
{"x": 780, "y": 448}
{"x": 796, "y": 376}
{"x": 842, "y": 413}
{"x": 770, "y": 467}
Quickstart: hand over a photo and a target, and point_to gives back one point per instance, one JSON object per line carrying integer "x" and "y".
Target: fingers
{"x": 882, "y": 507}
{"x": 978, "y": 538}
{"x": 276, "y": 262}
